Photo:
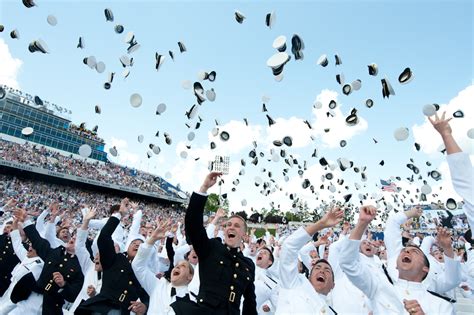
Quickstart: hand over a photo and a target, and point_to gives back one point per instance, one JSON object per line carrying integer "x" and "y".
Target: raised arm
{"x": 426, "y": 244}
{"x": 179, "y": 236}
{"x": 105, "y": 242}
{"x": 304, "y": 254}
{"x": 80, "y": 247}
{"x": 349, "y": 260}
{"x": 444, "y": 129}
{"x": 50, "y": 235}
{"x": 195, "y": 230}
{"x": 42, "y": 247}
{"x": 470, "y": 260}
{"x": 460, "y": 166}
{"x": 40, "y": 222}
{"x": 461, "y": 171}
{"x": 18, "y": 248}
{"x": 144, "y": 275}
{"x": 50, "y": 227}
{"x": 211, "y": 227}
{"x": 451, "y": 277}
{"x": 393, "y": 237}
{"x": 334, "y": 254}
{"x": 180, "y": 253}
{"x": 136, "y": 222}
{"x": 288, "y": 264}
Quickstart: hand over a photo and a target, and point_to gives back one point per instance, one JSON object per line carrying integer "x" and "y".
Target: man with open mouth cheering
{"x": 225, "y": 274}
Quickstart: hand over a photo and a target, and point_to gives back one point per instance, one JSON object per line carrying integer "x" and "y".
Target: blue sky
{"x": 433, "y": 38}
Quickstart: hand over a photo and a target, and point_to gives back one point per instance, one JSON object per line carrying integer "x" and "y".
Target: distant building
{"x": 19, "y": 110}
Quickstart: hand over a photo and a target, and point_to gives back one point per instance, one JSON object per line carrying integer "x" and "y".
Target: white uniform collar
{"x": 181, "y": 291}
{"x": 410, "y": 285}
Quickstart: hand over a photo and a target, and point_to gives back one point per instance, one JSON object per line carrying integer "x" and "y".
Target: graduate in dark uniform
{"x": 8, "y": 259}
{"x": 61, "y": 278}
{"x": 226, "y": 275}
{"x": 121, "y": 292}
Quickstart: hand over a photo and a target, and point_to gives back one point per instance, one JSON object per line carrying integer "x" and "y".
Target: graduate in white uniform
{"x": 440, "y": 279}
{"x": 460, "y": 166}
{"x": 443, "y": 264}
{"x": 92, "y": 270}
{"x": 403, "y": 295}
{"x": 357, "y": 303}
{"x": 266, "y": 286}
{"x": 163, "y": 293}
{"x": 299, "y": 295}
{"x": 30, "y": 264}
{"x": 56, "y": 237}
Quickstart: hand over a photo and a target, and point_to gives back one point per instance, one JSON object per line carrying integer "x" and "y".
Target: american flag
{"x": 388, "y": 185}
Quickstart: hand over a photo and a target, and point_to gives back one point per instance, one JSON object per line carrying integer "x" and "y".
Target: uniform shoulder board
{"x": 446, "y": 298}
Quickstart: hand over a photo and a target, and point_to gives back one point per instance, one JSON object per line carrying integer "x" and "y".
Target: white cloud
{"x": 241, "y": 137}
{"x": 189, "y": 173}
{"x": 124, "y": 156}
{"x": 339, "y": 130}
{"x": 429, "y": 139}
{"x": 9, "y": 66}
{"x": 293, "y": 127}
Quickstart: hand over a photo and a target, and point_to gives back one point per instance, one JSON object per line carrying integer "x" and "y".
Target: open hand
{"x": 367, "y": 214}
{"x": 20, "y": 214}
{"x": 159, "y": 231}
{"x": 444, "y": 238}
{"x": 90, "y": 214}
{"x": 441, "y": 124}
{"x": 414, "y": 212}
{"x": 220, "y": 213}
{"x": 134, "y": 206}
{"x": 332, "y": 217}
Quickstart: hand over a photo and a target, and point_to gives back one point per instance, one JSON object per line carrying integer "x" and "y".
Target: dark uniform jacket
{"x": 55, "y": 260}
{"x": 8, "y": 261}
{"x": 225, "y": 274}
{"x": 119, "y": 284}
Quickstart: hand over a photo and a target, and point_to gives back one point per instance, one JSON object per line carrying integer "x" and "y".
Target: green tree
{"x": 212, "y": 203}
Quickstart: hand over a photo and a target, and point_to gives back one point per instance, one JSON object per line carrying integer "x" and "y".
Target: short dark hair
{"x": 272, "y": 258}
{"x": 324, "y": 261}
{"x": 114, "y": 208}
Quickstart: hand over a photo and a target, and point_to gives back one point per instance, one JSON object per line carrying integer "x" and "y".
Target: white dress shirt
{"x": 159, "y": 290}
{"x": 297, "y": 295}
{"x": 387, "y": 298}
{"x": 32, "y": 305}
{"x": 440, "y": 279}
{"x": 266, "y": 290}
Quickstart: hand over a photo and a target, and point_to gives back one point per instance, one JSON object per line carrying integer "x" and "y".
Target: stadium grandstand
{"x": 50, "y": 152}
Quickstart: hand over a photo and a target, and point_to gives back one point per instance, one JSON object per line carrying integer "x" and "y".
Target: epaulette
{"x": 446, "y": 298}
